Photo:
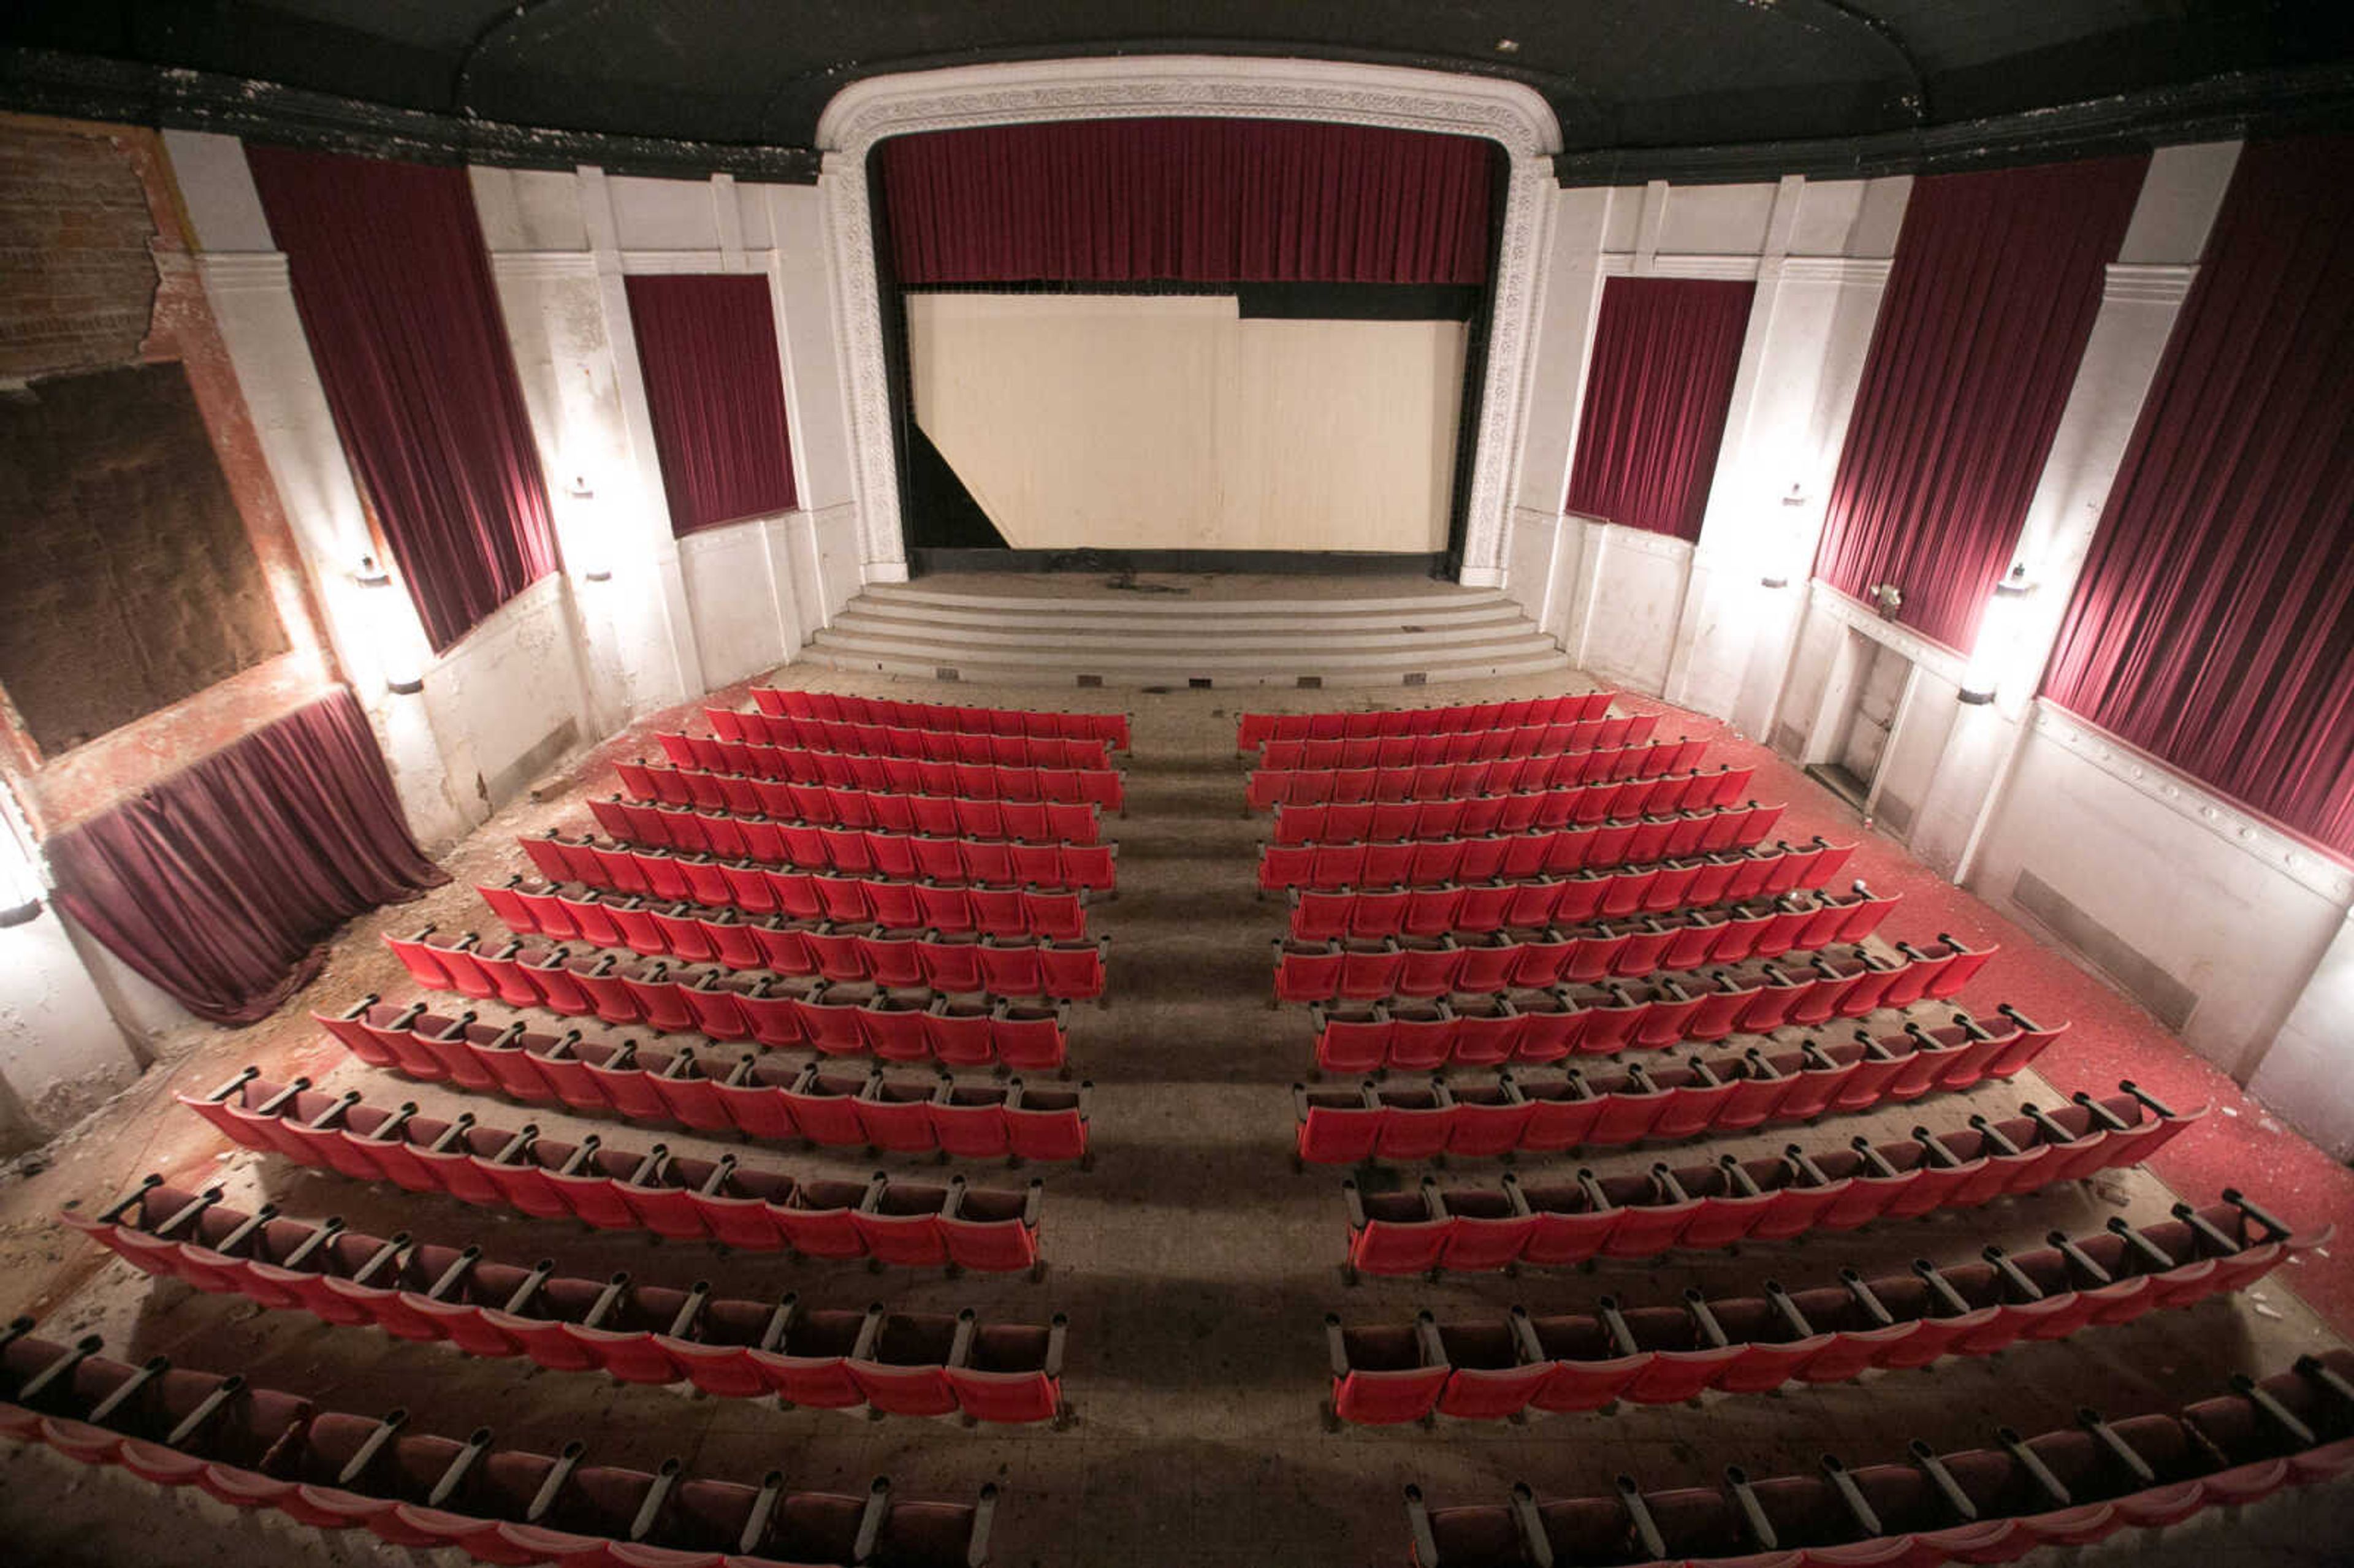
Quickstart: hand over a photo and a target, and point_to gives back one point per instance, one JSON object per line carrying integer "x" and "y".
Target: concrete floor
{"x": 1195, "y": 1267}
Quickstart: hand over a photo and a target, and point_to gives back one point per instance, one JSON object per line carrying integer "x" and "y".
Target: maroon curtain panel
{"x": 222, "y": 883}
{"x": 1205, "y": 201}
{"x": 1665, "y": 353}
{"x": 2213, "y": 625}
{"x": 393, "y": 288}
{"x": 1997, "y": 280}
{"x": 707, "y": 350}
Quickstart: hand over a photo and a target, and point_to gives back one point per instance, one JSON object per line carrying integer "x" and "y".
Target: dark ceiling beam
{"x": 79, "y": 87}
{"x": 460, "y": 79}
{"x": 1917, "y": 97}
{"x": 2316, "y": 99}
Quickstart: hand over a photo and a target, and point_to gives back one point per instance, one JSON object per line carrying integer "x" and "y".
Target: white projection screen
{"x": 1171, "y": 422}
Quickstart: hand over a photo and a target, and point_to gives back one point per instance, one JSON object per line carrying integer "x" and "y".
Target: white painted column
{"x": 647, "y": 523}
{"x": 1723, "y": 613}
{"x": 2303, "y": 1075}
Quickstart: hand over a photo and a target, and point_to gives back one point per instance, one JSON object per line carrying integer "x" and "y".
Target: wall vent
{"x": 2140, "y": 975}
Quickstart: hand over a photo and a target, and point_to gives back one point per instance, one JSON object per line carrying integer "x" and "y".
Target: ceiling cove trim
{"x": 866, "y": 112}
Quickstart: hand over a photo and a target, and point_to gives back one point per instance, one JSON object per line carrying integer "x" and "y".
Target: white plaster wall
{"x": 663, "y": 213}
{"x": 802, "y": 266}
{"x": 2183, "y": 890}
{"x": 1528, "y": 566}
{"x": 61, "y": 1051}
{"x": 737, "y": 629}
{"x": 506, "y": 689}
{"x": 1716, "y": 220}
{"x": 1637, "y": 590}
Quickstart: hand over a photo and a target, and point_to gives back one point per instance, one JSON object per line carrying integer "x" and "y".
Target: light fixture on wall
{"x": 583, "y": 545}
{"x": 20, "y": 868}
{"x": 1998, "y": 633}
{"x": 1885, "y": 598}
{"x": 388, "y": 638}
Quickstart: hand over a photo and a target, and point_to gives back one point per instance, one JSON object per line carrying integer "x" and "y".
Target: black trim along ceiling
{"x": 1692, "y": 88}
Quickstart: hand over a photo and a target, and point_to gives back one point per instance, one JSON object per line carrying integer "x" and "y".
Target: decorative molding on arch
{"x": 1514, "y": 117}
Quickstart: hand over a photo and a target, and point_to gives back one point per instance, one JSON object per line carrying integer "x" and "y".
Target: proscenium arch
{"x": 1516, "y": 118}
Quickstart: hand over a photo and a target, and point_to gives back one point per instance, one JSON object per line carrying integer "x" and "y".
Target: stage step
{"x": 1359, "y": 633}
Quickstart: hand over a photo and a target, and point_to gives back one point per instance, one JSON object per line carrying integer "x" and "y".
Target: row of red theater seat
{"x": 750, "y": 844}
{"x": 1463, "y": 780}
{"x": 601, "y": 912}
{"x": 841, "y": 1019}
{"x": 754, "y": 1096}
{"x": 1531, "y": 810}
{"x": 895, "y": 1363}
{"x": 1549, "y": 953}
{"x": 788, "y": 703}
{"x": 1489, "y": 1369}
{"x": 1699, "y": 882}
{"x": 941, "y": 816}
{"x": 1562, "y": 852}
{"x": 1690, "y": 937}
{"x": 912, "y": 1224}
{"x": 901, "y": 740}
{"x": 1253, "y": 731}
{"x": 1480, "y": 1029}
{"x": 862, "y": 851}
{"x": 1755, "y": 998}
{"x": 1716, "y": 1205}
{"x": 1612, "y": 1107}
{"x": 1474, "y": 746}
{"x": 700, "y": 754}
{"x": 261, "y": 1449}
{"x": 2062, "y": 1489}
{"x": 910, "y": 957}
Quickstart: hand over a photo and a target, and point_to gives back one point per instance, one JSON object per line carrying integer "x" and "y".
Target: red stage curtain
{"x": 222, "y": 883}
{"x": 707, "y": 349}
{"x": 1997, "y": 280}
{"x": 394, "y": 292}
{"x": 1665, "y": 353}
{"x": 2213, "y": 625}
{"x": 1206, "y": 201}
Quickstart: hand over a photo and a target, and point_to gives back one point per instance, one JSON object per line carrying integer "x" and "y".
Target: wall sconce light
{"x": 386, "y": 634}
{"x": 1885, "y": 598}
{"x": 1774, "y": 582}
{"x": 1999, "y": 631}
{"x": 593, "y": 570}
{"x": 20, "y": 869}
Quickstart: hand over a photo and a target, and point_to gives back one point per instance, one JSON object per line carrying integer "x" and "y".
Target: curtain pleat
{"x": 221, "y": 883}
{"x": 1996, "y": 283}
{"x": 2213, "y": 623}
{"x": 707, "y": 350}
{"x": 1665, "y": 354}
{"x": 1206, "y": 201}
{"x": 393, "y": 288}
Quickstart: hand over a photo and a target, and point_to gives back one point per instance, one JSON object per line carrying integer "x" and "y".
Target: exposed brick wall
{"x": 95, "y": 273}
{"x": 77, "y": 281}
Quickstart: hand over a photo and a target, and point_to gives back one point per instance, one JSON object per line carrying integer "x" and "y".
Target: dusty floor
{"x": 1195, "y": 1267}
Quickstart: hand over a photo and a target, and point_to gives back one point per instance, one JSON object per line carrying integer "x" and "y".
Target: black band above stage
{"x": 1298, "y": 563}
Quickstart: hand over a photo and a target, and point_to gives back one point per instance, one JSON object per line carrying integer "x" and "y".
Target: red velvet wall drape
{"x": 221, "y": 883}
{"x": 1209, "y": 201}
{"x": 395, "y": 292}
{"x": 2213, "y": 625}
{"x": 1997, "y": 280}
{"x": 1665, "y": 353}
{"x": 707, "y": 350}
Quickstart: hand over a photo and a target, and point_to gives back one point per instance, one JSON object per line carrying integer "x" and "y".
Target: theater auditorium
{"x": 1020, "y": 784}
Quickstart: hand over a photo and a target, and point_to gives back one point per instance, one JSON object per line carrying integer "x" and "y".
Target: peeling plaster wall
{"x": 62, "y": 1052}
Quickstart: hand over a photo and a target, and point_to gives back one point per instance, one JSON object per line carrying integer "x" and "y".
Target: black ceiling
{"x": 1626, "y": 76}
